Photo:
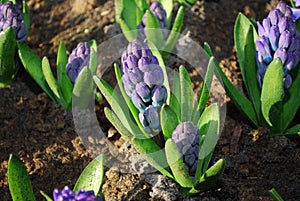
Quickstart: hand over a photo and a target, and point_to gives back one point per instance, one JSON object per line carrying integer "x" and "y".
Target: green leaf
{"x": 153, "y": 30}
{"x": 242, "y": 28}
{"x": 208, "y": 50}
{"x": 118, "y": 9}
{"x": 209, "y": 126}
{"x": 19, "y": 182}
{"x": 157, "y": 54}
{"x": 291, "y": 105}
{"x": 150, "y": 150}
{"x": 134, "y": 111}
{"x": 237, "y": 97}
{"x": 209, "y": 178}
{"x": 169, "y": 121}
{"x": 175, "y": 95}
{"x": 93, "y": 64}
{"x": 174, "y": 33}
{"x": 186, "y": 3}
{"x": 26, "y": 17}
{"x": 47, "y": 197}
{"x": 168, "y": 7}
{"x": 119, "y": 106}
{"x": 92, "y": 176}
{"x": 292, "y": 3}
{"x": 8, "y": 67}
{"x": 33, "y": 65}
{"x": 64, "y": 83}
{"x": 175, "y": 161}
{"x": 50, "y": 77}
{"x": 129, "y": 34}
{"x": 250, "y": 73}
{"x": 272, "y": 93}
{"x": 83, "y": 89}
{"x": 129, "y": 14}
{"x": 204, "y": 92}
{"x": 187, "y": 95}
{"x": 275, "y": 195}
{"x": 294, "y": 130}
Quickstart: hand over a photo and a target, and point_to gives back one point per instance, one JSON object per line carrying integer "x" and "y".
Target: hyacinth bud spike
{"x": 142, "y": 77}
{"x": 265, "y": 50}
{"x": 78, "y": 59}
{"x": 274, "y": 37}
{"x": 12, "y": 16}
{"x": 274, "y": 17}
{"x": 187, "y": 136}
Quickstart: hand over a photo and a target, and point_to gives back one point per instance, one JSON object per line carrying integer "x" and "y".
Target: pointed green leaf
{"x": 19, "y": 182}
{"x": 209, "y": 126}
{"x": 129, "y": 14}
{"x": 272, "y": 93}
{"x": 168, "y": 7}
{"x": 129, "y": 34}
{"x": 26, "y": 17}
{"x": 204, "y": 92}
{"x": 153, "y": 30}
{"x": 8, "y": 67}
{"x": 33, "y": 65}
{"x": 208, "y": 49}
{"x": 64, "y": 83}
{"x": 237, "y": 97}
{"x": 275, "y": 195}
{"x": 118, "y": 9}
{"x": 175, "y": 95}
{"x": 92, "y": 177}
{"x": 50, "y": 77}
{"x": 169, "y": 121}
{"x": 47, "y": 197}
{"x": 150, "y": 150}
{"x": 187, "y": 95}
{"x": 175, "y": 161}
{"x": 134, "y": 111}
{"x": 83, "y": 89}
{"x": 292, "y": 103}
{"x": 211, "y": 176}
{"x": 174, "y": 33}
{"x": 295, "y": 130}
{"x": 93, "y": 64}
{"x": 250, "y": 71}
{"x": 119, "y": 106}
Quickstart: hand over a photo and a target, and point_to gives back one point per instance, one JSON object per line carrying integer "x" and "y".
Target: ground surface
{"x": 42, "y": 134}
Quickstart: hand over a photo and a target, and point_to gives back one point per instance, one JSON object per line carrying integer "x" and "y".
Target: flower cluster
{"x": 187, "y": 136}
{"x": 78, "y": 59}
{"x": 143, "y": 82}
{"x": 158, "y": 11}
{"x": 278, "y": 38}
{"x": 11, "y": 16}
{"x": 68, "y": 195}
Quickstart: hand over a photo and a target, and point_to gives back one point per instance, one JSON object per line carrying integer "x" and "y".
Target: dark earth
{"x": 42, "y": 134}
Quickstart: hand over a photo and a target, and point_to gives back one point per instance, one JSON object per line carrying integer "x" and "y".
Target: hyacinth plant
{"x": 87, "y": 188}
{"x": 14, "y": 29}
{"x": 73, "y": 80}
{"x": 137, "y": 19}
{"x": 174, "y": 134}
{"x": 268, "y": 54}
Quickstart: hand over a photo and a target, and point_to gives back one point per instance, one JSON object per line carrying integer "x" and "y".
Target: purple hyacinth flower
{"x": 158, "y": 11}
{"x": 278, "y": 38}
{"x": 68, "y": 195}
{"x": 297, "y": 2}
{"x": 11, "y": 16}
{"x": 78, "y": 59}
{"x": 143, "y": 82}
{"x": 186, "y": 136}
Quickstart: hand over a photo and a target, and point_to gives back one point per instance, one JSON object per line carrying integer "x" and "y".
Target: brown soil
{"x": 42, "y": 134}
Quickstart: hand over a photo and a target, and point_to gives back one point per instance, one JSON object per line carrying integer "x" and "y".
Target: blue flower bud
{"x": 11, "y": 16}
{"x": 143, "y": 82}
{"x": 78, "y": 59}
{"x": 278, "y": 38}
{"x": 187, "y": 136}
{"x": 68, "y": 195}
